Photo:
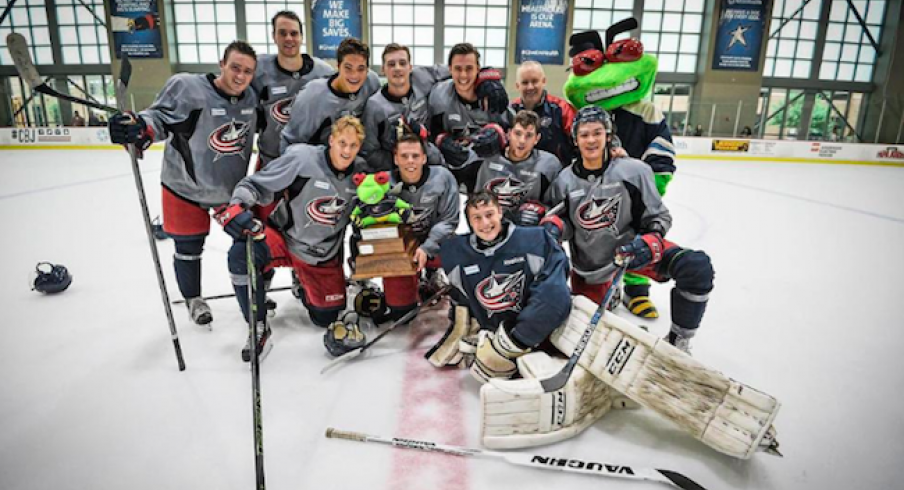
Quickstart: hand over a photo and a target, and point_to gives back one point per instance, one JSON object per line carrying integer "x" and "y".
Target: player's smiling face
{"x": 486, "y": 221}
{"x": 397, "y": 68}
{"x": 522, "y": 142}
{"x": 287, "y": 36}
{"x": 344, "y": 147}
{"x": 352, "y": 73}
{"x": 464, "y": 68}
{"x": 592, "y": 141}
{"x": 410, "y": 158}
{"x": 236, "y": 72}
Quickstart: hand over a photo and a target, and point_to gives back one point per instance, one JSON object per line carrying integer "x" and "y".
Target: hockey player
{"x": 210, "y": 122}
{"x": 613, "y": 207}
{"x": 510, "y": 280}
{"x": 433, "y": 195}
{"x": 624, "y": 74}
{"x": 403, "y": 97}
{"x": 279, "y": 78}
{"x": 520, "y": 177}
{"x": 318, "y": 181}
{"x": 555, "y": 113}
{"x": 324, "y": 101}
{"x": 469, "y": 113}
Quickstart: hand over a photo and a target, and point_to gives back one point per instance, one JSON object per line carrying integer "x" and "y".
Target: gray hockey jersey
{"x": 318, "y": 106}
{"x": 605, "y": 209}
{"x": 210, "y": 136}
{"x": 318, "y": 200}
{"x": 451, "y": 114}
{"x": 276, "y": 87}
{"x": 517, "y": 183}
{"x": 434, "y": 205}
{"x": 383, "y": 106}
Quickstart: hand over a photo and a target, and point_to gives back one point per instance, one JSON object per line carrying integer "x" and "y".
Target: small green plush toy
{"x": 377, "y": 203}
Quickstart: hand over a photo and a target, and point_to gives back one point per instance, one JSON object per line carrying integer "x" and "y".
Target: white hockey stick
{"x": 569, "y": 465}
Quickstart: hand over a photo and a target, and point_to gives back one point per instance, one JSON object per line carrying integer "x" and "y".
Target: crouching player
{"x": 318, "y": 184}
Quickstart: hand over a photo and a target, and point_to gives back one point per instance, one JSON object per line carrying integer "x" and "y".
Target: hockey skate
{"x": 263, "y": 343}
{"x": 199, "y": 311}
{"x": 431, "y": 282}
{"x": 344, "y": 335}
{"x": 270, "y": 305}
{"x": 681, "y": 342}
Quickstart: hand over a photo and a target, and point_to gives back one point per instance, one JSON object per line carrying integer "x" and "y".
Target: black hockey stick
{"x": 7, "y": 10}
{"x": 230, "y": 295}
{"x": 348, "y": 356}
{"x": 569, "y": 465}
{"x": 18, "y": 49}
{"x": 255, "y": 365}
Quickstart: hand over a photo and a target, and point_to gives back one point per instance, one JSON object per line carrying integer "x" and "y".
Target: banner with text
{"x": 541, "y": 31}
{"x": 333, "y": 21}
{"x": 136, "y": 28}
{"x": 740, "y": 35}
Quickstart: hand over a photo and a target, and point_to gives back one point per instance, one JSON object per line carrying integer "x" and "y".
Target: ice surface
{"x": 805, "y": 308}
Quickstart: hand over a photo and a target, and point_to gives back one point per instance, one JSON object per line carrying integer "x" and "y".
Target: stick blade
{"x": 18, "y": 50}
{"x": 680, "y": 480}
{"x": 125, "y": 70}
{"x": 348, "y": 356}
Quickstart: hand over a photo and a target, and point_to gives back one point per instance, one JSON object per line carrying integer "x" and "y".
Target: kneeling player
{"x": 613, "y": 207}
{"x": 318, "y": 183}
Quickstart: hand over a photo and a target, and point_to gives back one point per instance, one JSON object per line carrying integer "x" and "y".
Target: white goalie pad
{"x": 457, "y": 346}
{"x": 509, "y": 420}
{"x": 727, "y": 415}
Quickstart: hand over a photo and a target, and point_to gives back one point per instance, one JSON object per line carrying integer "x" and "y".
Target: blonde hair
{"x": 346, "y": 122}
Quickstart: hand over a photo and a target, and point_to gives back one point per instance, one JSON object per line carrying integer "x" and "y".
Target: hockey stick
{"x": 18, "y": 49}
{"x": 230, "y": 295}
{"x": 7, "y": 10}
{"x": 348, "y": 356}
{"x": 569, "y": 465}
{"x": 255, "y": 365}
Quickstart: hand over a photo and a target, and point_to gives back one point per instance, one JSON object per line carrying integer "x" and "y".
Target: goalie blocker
{"x": 725, "y": 414}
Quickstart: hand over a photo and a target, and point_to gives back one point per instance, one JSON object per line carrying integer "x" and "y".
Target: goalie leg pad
{"x": 725, "y": 414}
{"x": 448, "y": 351}
{"x": 525, "y": 420}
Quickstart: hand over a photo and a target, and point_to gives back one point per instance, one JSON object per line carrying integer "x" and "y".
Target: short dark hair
{"x": 527, "y": 118}
{"x": 409, "y": 137}
{"x": 481, "y": 197}
{"x": 240, "y": 47}
{"x": 463, "y": 48}
{"x": 351, "y": 45}
{"x": 289, "y": 15}
{"x": 392, "y": 48}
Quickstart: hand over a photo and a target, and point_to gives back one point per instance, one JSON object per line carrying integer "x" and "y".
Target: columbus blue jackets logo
{"x": 500, "y": 292}
{"x": 594, "y": 214}
{"x": 326, "y": 210}
{"x": 229, "y": 139}
{"x": 281, "y": 111}
{"x": 509, "y": 190}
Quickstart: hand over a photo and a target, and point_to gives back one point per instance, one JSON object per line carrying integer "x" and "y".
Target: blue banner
{"x": 740, "y": 35}
{"x": 541, "y": 31}
{"x": 333, "y": 21}
{"x": 136, "y": 28}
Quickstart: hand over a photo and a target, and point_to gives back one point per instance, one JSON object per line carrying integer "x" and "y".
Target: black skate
{"x": 199, "y": 311}
{"x": 263, "y": 343}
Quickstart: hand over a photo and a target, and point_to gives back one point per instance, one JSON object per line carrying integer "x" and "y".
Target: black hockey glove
{"x": 396, "y": 127}
{"x": 644, "y": 250}
{"x": 489, "y": 141}
{"x": 455, "y": 154}
{"x": 238, "y": 222}
{"x": 127, "y": 127}
{"x": 491, "y": 92}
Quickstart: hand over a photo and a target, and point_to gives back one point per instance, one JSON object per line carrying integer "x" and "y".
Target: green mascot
{"x": 377, "y": 203}
{"x": 618, "y": 77}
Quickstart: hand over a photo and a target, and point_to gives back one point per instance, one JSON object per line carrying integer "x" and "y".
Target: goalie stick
{"x": 569, "y": 465}
{"x": 18, "y": 49}
{"x": 348, "y": 356}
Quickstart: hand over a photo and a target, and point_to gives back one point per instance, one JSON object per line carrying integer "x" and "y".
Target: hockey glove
{"x": 455, "y": 154}
{"x": 238, "y": 222}
{"x": 554, "y": 226}
{"x": 644, "y": 250}
{"x": 530, "y": 213}
{"x": 489, "y": 141}
{"x": 398, "y": 126}
{"x": 496, "y": 354}
{"x": 490, "y": 90}
{"x": 127, "y": 127}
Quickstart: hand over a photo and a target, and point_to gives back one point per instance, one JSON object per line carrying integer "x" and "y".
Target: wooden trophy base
{"x": 385, "y": 251}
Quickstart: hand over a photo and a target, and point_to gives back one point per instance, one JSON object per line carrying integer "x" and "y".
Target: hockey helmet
{"x": 50, "y": 278}
{"x": 591, "y": 113}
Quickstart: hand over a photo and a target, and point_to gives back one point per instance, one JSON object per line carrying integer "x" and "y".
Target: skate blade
{"x": 271, "y": 313}
{"x": 205, "y": 326}
{"x": 264, "y": 353}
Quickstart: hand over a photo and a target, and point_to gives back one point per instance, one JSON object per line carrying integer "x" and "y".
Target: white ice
{"x": 808, "y": 261}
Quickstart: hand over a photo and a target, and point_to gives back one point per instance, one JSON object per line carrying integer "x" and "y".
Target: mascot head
{"x": 611, "y": 75}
